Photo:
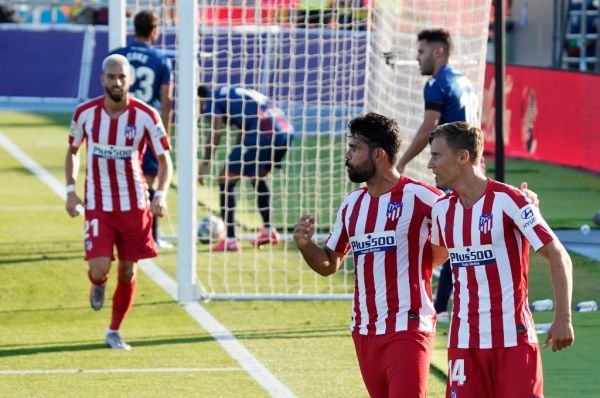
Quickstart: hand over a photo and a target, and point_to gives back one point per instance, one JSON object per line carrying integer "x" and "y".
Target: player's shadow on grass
{"x": 78, "y": 308}
{"x": 38, "y": 258}
{"x": 437, "y": 372}
{"x": 204, "y": 338}
{"x": 49, "y": 349}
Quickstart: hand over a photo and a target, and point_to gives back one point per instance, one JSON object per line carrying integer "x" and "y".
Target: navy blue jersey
{"x": 151, "y": 69}
{"x": 452, "y": 94}
{"x": 249, "y": 110}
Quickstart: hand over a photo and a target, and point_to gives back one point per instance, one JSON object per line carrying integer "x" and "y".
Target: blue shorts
{"x": 258, "y": 155}
{"x": 149, "y": 163}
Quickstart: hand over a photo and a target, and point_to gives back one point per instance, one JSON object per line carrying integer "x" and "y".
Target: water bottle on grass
{"x": 587, "y": 306}
{"x": 542, "y": 305}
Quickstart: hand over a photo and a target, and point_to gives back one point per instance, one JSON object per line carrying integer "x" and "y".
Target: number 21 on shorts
{"x": 456, "y": 372}
{"x": 90, "y": 226}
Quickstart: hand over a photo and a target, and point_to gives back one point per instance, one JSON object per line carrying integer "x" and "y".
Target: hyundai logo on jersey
{"x": 472, "y": 256}
{"x": 394, "y": 210}
{"x": 373, "y": 242}
{"x": 130, "y": 132}
{"x": 157, "y": 131}
{"x": 485, "y": 223}
{"x": 527, "y": 213}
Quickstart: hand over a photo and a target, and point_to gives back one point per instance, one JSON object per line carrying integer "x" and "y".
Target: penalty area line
{"x": 117, "y": 370}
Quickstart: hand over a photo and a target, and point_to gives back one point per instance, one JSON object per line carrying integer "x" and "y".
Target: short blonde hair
{"x": 115, "y": 59}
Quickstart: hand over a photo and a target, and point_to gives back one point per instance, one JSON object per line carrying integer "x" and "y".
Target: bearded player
{"x": 117, "y": 128}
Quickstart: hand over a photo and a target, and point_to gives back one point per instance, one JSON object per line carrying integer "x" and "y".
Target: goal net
{"x": 322, "y": 63}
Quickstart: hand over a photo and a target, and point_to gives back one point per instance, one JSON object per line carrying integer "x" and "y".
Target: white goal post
{"x": 321, "y": 66}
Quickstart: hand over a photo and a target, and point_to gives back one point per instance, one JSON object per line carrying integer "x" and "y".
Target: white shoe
{"x": 163, "y": 244}
{"x": 114, "y": 341}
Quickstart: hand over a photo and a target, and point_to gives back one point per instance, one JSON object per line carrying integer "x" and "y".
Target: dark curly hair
{"x": 377, "y": 131}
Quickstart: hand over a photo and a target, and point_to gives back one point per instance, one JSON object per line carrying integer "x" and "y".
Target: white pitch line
{"x": 56, "y": 186}
{"x": 219, "y": 332}
{"x": 117, "y": 370}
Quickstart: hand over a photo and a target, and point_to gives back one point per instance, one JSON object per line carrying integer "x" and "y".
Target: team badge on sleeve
{"x": 157, "y": 131}
{"x": 485, "y": 223}
{"x": 394, "y": 210}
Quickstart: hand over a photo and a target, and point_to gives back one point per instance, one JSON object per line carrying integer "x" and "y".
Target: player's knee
{"x": 126, "y": 273}
{"x": 98, "y": 274}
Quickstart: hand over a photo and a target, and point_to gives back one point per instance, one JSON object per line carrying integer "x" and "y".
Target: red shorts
{"x": 130, "y": 231}
{"x": 395, "y": 364}
{"x": 512, "y": 372}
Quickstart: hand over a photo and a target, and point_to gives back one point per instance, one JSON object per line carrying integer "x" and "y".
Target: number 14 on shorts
{"x": 456, "y": 371}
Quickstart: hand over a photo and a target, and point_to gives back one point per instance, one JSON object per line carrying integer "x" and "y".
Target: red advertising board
{"x": 551, "y": 116}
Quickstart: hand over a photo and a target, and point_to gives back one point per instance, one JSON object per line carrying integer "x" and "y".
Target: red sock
{"x": 122, "y": 302}
{"x": 97, "y": 283}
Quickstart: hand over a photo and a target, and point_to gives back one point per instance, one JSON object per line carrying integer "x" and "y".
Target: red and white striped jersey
{"x": 114, "y": 177}
{"x": 488, "y": 246}
{"x": 389, "y": 236}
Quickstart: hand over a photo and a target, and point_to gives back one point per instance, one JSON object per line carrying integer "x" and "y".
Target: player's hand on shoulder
{"x": 560, "y": 335}
{"x": 529, "y": 194}
{"x": 304, "y": 230}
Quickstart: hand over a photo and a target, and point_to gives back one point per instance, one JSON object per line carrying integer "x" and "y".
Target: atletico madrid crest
{"x": 485, "y": 223}
{"x": 130, "y": 132}
{"x": 394, "y": 210}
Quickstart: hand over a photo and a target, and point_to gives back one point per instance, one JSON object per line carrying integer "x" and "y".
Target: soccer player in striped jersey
{"x": 448, "y": 96}
{"x": 386, "y": 224}
{"x": 487, "y": 228}
{"x": 117, "y": 128}
{"x": 152, "y": 82}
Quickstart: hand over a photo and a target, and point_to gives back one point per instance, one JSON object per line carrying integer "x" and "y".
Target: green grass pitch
{"x": 46, "y": 323}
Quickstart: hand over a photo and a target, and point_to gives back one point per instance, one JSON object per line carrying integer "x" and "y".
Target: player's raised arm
{"x": 560, "y": 334}
{"x": 322, "y": 260}
{"x": 430, "y": 122}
